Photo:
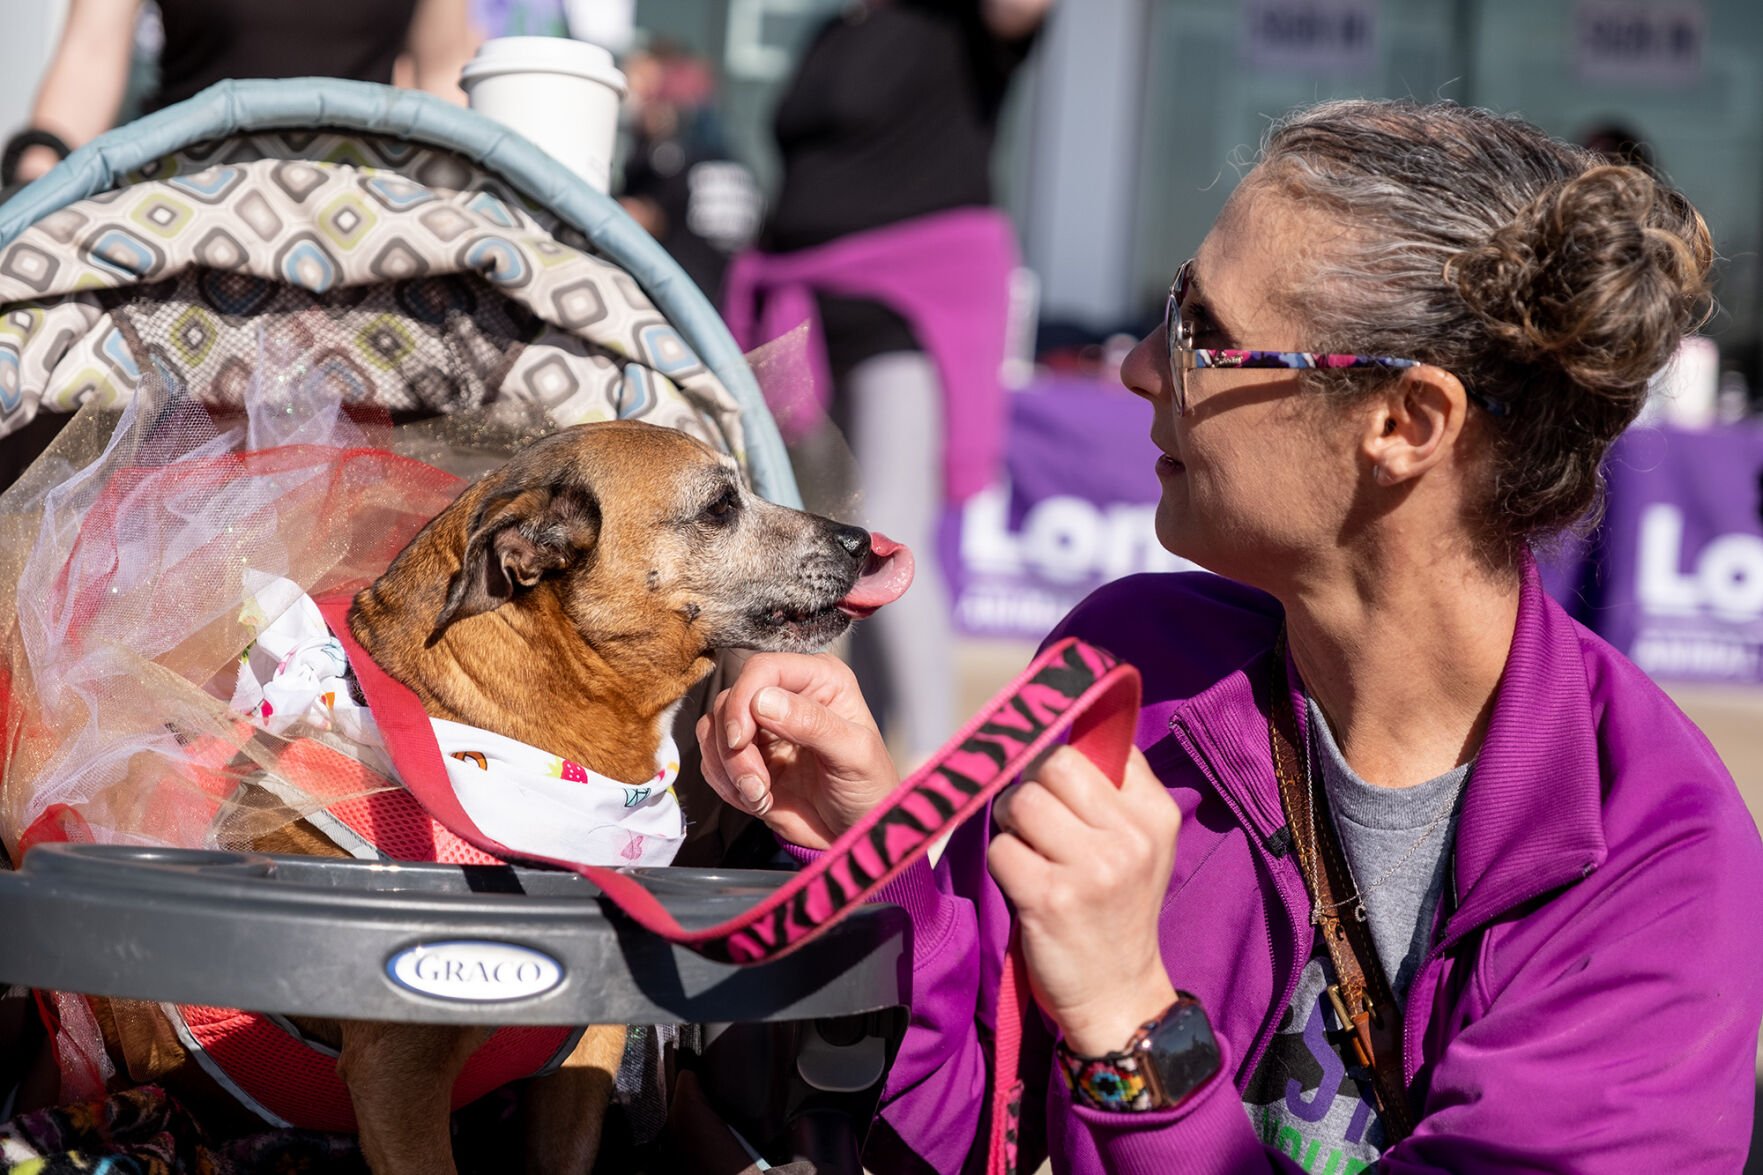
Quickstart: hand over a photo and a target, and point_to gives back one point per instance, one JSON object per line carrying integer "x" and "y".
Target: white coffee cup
{"x": 560, "y": 93}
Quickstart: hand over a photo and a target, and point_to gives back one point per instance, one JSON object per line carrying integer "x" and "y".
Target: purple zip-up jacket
{"x": 1592, "y": 995}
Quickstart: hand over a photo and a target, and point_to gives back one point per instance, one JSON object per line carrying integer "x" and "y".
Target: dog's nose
{"x": 854, "y": 539}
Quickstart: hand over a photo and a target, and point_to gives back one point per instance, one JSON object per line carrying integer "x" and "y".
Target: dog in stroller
{"x": 289, "y": 289}
{"x": 569, "y": 600}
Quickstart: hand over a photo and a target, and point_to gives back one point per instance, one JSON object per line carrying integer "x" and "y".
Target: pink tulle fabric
{"x": 132, "y": 609}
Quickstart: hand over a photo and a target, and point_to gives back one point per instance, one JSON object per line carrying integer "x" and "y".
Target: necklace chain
{"x": 1318, "y": 908}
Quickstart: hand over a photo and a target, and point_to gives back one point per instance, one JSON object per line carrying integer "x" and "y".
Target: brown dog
{"x": 569, "y": 600}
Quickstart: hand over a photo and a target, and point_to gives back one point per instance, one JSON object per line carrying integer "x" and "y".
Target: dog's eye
{"x": 722, "y": 511}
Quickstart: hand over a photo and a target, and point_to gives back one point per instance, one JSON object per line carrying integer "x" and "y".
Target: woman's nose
{"x": 1145, "y": 371}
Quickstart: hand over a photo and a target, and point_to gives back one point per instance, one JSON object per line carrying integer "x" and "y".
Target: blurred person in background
{"x": 1619, "y": 142}
{"x": 679, "y": 180}
{"x": 884, "y": 216}
{"x": 1413, "y": 873}
{"x": 205, "y": 41}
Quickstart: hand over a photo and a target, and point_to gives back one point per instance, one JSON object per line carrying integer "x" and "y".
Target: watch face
{"x": 1183, "y": 1051}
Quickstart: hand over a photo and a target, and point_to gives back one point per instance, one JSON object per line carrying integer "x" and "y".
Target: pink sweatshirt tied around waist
{"x": 946, "y": 274}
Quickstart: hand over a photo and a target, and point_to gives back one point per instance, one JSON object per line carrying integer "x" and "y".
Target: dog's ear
{"x": 517, "y": 539}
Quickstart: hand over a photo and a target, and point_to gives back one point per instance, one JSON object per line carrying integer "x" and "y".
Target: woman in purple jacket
{"x": 1393, "y": 366}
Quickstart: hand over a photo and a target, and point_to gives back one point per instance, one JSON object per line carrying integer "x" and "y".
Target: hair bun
{"x": 1601, "y": 274}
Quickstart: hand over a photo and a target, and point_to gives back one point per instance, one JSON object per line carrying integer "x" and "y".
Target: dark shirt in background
{"x": 208, "y": 40}
{"x": 892, "y": 114}
{"x": 709, "y": 203}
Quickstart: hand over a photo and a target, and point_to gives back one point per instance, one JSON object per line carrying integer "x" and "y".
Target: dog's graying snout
{"x": 854, "y": 540}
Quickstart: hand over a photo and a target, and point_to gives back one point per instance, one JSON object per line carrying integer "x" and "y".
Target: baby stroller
{"x": 290, "y": 317}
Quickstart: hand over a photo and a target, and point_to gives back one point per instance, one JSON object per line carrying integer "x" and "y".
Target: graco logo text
{"x": 474, "y": 971}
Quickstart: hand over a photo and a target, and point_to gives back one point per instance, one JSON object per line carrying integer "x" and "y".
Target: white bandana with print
{"x": 295, "y": 675}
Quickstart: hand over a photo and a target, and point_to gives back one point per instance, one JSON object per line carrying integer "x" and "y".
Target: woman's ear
{"x": 1415, "y": 424}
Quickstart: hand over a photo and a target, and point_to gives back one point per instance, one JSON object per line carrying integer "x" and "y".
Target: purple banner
{"x": 1076, "y": 510}
{"x": 1674, "y": 577}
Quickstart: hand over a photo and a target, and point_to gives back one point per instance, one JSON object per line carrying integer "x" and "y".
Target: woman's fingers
{"x": 1043, "y": 822}
{"x": 1089, "y": 885}
{"x": 823, "y": 679}
{"x": 791, "y": 740}
{"x": 1079, "y": 784}
{"x": 1068, "y": 773}
{"x": 845, "y": 747}
{"x": 1069, "y": 812}
{"x": 715, "y": 774}
{"x": 810, "y": 702}
{"x": 1018, "y": 869}
{"x": 741, "y": 777}
{"x": 1149, "y": 803}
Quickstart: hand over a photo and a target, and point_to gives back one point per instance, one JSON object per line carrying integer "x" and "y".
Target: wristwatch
{"x": 1166, "y": 1060}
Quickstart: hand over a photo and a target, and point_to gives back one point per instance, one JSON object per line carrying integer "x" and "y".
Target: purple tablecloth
{"x": 1674, "y": 575}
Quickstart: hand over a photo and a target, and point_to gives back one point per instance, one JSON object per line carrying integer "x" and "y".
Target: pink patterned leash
{"x": 1069, "y": 687}
{"x": 1103, "y": 730}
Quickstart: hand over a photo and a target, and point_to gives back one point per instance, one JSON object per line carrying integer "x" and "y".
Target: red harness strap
{"x": 298, "y": 1084}
{"x": 258, "y": 1060}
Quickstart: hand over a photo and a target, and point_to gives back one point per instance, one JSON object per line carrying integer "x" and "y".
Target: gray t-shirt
{"x": 1308, "y": 1097}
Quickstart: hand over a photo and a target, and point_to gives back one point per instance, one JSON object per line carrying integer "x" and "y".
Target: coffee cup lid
{"x": 505, "y": 55}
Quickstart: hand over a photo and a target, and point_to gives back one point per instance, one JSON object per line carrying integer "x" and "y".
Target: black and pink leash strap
{"x": 1071, "y": 688}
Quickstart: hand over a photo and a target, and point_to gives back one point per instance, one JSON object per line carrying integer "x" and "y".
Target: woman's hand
{"x": 1087, "y": 866}
{"x": 793, "y": 742}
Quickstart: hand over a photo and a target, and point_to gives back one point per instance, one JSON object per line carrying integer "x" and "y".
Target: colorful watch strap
{"x": 1122, "y": 1080}
{"x": 1115, "y": 1081}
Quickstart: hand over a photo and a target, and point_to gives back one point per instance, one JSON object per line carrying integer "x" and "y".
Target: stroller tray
{"x": 428, "y": 943}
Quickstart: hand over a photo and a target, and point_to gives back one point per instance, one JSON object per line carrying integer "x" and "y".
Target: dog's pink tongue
{"x": 884, "y": 580}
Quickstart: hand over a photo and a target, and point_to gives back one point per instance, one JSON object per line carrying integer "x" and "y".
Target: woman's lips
{"x": 1168, "y": 465}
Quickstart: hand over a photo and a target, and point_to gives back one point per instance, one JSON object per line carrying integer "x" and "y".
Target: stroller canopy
{"x": 422, "y": 257}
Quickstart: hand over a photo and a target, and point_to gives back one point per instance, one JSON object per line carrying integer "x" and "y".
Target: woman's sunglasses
{"x": 1184, "y": 357}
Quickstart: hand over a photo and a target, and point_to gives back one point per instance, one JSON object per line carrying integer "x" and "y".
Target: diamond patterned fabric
{"x": 450, "y": 290}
